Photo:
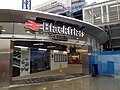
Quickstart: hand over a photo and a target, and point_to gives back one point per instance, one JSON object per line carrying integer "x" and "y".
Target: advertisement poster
{"x": 25, "y": 62}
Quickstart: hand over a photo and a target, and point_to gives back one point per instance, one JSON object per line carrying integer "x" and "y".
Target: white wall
{"x": 56, "y": 64}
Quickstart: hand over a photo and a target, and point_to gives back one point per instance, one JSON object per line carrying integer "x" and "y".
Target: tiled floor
{"x": 82, "y": 83}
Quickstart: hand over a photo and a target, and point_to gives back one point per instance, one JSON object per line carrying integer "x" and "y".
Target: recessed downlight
{"x": 41, "y": 49}
{"x": 38, "y": 44}
{"x": 20, "y": 47}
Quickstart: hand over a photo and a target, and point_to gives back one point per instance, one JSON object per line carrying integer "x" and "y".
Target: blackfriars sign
{"x": 49, "y": 27}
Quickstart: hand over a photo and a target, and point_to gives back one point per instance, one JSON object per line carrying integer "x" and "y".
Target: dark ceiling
{"x": 41, "y": 44}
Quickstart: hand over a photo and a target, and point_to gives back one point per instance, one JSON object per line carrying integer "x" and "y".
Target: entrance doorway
{"x": 33, "y": 56}
{"x": 36, "y": 56}
{"x": 78, "y": 57}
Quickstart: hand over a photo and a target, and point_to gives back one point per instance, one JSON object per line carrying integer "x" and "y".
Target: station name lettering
{"x": 49, "y": 27}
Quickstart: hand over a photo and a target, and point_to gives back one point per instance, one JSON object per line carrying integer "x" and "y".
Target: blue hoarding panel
{"x": 108, "y": 62}
{"x": 110, "y": 67}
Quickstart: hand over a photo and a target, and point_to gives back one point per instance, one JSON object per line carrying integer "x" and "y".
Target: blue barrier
{"x": 108, "y": 62}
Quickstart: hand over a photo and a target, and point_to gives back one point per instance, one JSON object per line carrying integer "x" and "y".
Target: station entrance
{"x": 36, "y": 56}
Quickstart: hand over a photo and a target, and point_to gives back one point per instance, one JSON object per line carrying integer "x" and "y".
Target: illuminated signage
{"x": 49, "y": 27}
{"x": 32, "y": 25}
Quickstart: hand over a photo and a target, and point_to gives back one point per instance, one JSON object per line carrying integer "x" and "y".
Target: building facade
{"x": 107, "y": 16}
{"x": 51, "y": 6}
{"x": 33, "y": 41}
{"x": 72, "y": 8}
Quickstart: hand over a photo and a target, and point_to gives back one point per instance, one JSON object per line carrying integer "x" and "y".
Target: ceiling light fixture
{"x": 41, "y": 49}
{"x": 51, "y": 46}
{"x": 21, "y": 47}
{"x": 55, "y": 51}
{"x": 38, "y": 44}
{"x": 64, "y": 52}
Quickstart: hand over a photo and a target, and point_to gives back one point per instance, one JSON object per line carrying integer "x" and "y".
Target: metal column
{"x": 5, "y": 62}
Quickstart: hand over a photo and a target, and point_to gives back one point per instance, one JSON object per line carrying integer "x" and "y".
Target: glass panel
{"x": 21, "y": 32}
{"x": 97, "y": 15}
{"x": 113, "y": 15}
{"x": 119, "y": 9}
{"x": 6, "y": 30}
{"x": 104, "y": 14}
{"x": 88, "y": 16}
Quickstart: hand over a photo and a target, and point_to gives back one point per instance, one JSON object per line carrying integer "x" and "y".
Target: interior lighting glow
{"x": 98, "y": 18}
{"x": 38, "y": 44}
{"x": 41, "y": 49}
{"x": 20, "y": 47}
{"x": 3, "y": 30}
{"x": 55, "y": 51}
{"x": 44, "y": 88}
{"x": 51, "y": 46}
{"x": 64, "y": 52}
{"x": 27, "y": 31}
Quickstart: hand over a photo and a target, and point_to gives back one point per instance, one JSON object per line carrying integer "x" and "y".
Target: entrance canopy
{"x": 20, "y": 16}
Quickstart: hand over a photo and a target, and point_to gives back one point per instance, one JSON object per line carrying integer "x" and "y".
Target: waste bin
{"x": 94, "y": 70}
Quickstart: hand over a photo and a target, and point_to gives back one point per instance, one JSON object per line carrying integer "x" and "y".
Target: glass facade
{"x": 107, "y": 16}
{"x": 102, "y": 13}
{"x": 88, "y": 15}
{"x": 113, "y": 12}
